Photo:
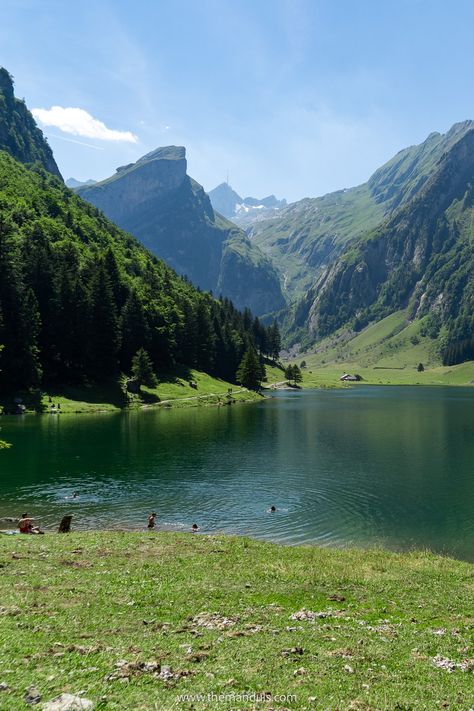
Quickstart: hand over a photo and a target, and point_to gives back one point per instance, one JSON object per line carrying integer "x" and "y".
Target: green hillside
{"x": 387, "y": 352}
{"x": 79, "y": 297}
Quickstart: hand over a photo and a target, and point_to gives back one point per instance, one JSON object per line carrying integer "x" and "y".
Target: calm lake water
{"x": 369, "y": 465}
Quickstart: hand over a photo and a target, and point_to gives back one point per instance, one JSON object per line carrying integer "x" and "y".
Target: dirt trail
{"x": 193, "y": 397}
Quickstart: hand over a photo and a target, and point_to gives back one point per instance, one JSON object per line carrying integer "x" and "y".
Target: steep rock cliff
{"x": 169, "y": 212}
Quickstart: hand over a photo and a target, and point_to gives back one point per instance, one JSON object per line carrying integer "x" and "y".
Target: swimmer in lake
{"x": 195, "y": 527}
{"x": 272, "y": 509}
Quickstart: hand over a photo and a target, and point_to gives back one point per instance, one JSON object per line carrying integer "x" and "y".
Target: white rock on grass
{"x": 68, "y": 702}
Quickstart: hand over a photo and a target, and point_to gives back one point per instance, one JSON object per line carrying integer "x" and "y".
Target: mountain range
{"x": 155, "y": 200}
{"x": 310, "y": 234}
{"x": 419, "y": 258}
{"x": 327, "y": 267}
{"x": 73, "y": 183}
{"x": 243, "y": 211}
{"x": 403, "y": 240}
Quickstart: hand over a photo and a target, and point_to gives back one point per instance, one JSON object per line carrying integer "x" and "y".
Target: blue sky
{"x": 292, "y": 97}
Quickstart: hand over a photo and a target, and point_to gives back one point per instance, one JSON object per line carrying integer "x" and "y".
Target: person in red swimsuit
{"x": 25, "y": 524}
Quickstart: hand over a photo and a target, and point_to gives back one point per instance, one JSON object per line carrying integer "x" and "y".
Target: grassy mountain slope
{"x": 19, "y": 134}
{"x": 177, "y": 387}
{"x": 421, "y": 259}
{"x": 170, "y": 213}
{"x": 309, "y": 235}
{"x": 385, "y": 352}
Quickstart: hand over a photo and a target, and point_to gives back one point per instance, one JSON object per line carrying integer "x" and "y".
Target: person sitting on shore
{"x": 25, "y": 524}
{"x": 152, "y": 520}
{"x": 195, "y": 527}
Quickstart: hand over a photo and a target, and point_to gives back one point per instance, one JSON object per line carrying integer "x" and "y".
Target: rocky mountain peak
{"x": 164, "y": 153}
{"x": 151, "y": 177}
{"x": 169, "y": 212}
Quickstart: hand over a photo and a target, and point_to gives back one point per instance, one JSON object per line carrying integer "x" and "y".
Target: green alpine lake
{"x": 389, "y": 466}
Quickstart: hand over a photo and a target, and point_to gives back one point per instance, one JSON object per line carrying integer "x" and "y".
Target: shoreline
{"x": 185, "y": 531}
{"x": 218, "y": 400}
{"x": 206, "y": 400}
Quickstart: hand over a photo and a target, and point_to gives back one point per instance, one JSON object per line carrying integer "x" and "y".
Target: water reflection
{"x": 361, "y": 466}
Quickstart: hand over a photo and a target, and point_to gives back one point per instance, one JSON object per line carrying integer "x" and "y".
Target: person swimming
{"x": 152, "y": 520}
{"x": 195, "y": 527}
{"x": 272, "y": 509}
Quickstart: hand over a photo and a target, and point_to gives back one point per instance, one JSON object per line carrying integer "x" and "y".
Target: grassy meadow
{"x": 136, "y": 621}
{"x": 384, "y": 353}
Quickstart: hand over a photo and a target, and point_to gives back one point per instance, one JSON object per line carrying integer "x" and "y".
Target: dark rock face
{"x": 131, "y": 190}
{"x": 19, "y": 134}
{"x": 155, "y": 200}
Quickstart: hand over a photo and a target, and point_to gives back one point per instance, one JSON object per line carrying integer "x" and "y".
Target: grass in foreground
{"x": 134, "y": 621}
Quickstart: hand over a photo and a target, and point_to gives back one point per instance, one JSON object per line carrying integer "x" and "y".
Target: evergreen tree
{"x": 104, "y": 327}
{"x": 420, "y": 367}
{"x": 249, "y": 373}
{"x": 119, "y": 291}
{"x": 205, "y": 355}
{"x": 274, "y": 341}
{"x": 142, "y": 368}
{"x": 135, "y": 331}
{"x": 292, "y": 372}
{"x": 297, "y": 375}
{"x": 20, "y": 320}
{"x": 187, "y": 335}
{"x": 70, "y": 324}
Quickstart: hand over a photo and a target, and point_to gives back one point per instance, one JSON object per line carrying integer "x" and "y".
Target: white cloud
{"x": 79, "y": 122}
